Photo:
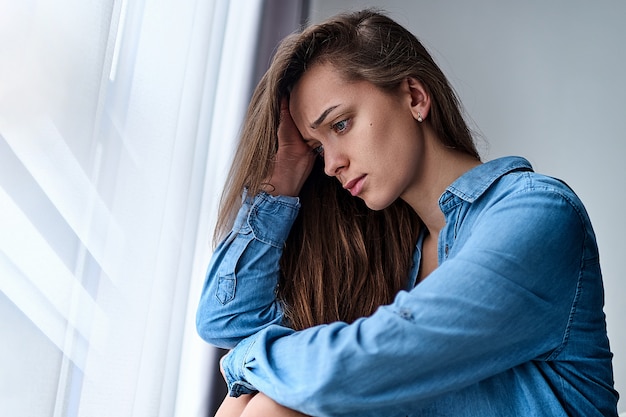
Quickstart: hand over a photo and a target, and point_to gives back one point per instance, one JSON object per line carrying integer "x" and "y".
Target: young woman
{"x": 488, "y": 273}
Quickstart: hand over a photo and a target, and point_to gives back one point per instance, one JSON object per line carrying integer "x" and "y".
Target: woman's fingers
{"x": 294, "y": 158}
{"x": 288, "y": 134}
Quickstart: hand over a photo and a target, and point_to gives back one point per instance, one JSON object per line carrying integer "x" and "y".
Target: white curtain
{"x": 117, "y": 123}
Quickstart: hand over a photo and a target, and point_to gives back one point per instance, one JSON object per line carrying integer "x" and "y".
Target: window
{"x": 112, "y": 153}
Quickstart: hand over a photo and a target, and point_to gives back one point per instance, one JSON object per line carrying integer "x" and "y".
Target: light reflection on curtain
{"x": 108, "y": 183}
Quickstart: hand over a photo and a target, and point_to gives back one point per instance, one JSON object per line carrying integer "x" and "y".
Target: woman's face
{"x": 370, "y": 139}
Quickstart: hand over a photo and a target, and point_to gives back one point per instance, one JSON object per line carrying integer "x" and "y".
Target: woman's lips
{"x": 355, "y": 186}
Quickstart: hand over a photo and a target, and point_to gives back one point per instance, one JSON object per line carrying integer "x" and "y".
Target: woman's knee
{"x": 233, "y": 407}
{"x": 263, "y": 406}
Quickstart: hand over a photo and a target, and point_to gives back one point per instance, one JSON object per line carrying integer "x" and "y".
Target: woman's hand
{"x": 294, "y": 159}
{"x": 222, "y": 366}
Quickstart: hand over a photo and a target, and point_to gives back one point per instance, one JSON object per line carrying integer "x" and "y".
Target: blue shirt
{"x": 511, "y": 322}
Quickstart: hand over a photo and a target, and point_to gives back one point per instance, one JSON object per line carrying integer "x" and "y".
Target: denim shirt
{"x": 510, "y": 323}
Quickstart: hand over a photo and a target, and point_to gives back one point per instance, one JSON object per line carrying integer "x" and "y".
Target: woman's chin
{"x": 375, "y": 205}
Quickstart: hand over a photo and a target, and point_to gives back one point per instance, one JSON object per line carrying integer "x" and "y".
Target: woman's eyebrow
{"x": 323, "y": 116}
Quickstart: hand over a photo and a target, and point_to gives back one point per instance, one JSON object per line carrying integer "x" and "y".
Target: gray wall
{"x": 544, "y": 80}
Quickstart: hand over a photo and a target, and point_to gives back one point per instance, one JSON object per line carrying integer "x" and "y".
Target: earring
{"x": 419, "y": 117}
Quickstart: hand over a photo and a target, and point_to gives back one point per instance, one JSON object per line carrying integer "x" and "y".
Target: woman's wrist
{"x": 285, "y": 184}
{"x": 276, "y": 188}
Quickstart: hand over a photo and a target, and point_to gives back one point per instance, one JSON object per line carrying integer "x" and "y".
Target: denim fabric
{"x": 239, "y": 296}
{"x": 511, "y": 323}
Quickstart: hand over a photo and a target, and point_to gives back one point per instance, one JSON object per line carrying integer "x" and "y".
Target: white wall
{"x": 544, "y": 80}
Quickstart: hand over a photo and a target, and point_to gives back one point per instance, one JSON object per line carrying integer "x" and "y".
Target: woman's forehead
{"x": 321, "y": 82}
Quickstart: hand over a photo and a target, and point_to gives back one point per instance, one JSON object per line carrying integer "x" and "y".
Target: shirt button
{"x": 406, "y": 314}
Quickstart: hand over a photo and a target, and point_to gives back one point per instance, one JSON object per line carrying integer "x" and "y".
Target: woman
{"x": 507, "y": 318}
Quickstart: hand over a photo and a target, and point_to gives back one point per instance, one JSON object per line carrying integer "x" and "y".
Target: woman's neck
{"x": 441, "y": 167}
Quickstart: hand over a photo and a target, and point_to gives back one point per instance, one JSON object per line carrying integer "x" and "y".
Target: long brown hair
{"x": 341, "y": 259}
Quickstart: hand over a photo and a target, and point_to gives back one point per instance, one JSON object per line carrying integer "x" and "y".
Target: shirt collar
{"x": 476, "y": 181}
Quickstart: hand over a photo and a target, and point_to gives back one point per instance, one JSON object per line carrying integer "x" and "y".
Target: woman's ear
{"x": 419, "y": 98}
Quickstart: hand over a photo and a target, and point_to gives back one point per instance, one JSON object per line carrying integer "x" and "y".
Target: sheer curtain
{"x": 202, "y": 388}
{"x": 117, "y": 123}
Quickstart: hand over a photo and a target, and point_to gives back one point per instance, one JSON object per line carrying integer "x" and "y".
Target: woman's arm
{"x": 239, "y": 295}
{"x": 238, "y": 298}
{"x": 503, "y": 299}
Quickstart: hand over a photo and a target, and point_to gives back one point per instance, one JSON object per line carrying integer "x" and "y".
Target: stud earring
{"x": 419, "y": 117}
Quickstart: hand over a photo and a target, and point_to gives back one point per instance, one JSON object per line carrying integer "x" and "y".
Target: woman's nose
{"x": 334, "y": 162}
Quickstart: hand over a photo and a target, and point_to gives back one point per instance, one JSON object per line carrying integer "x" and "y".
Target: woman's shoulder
{"x": 507, "y": 176}
{"x": 537, "y": 185}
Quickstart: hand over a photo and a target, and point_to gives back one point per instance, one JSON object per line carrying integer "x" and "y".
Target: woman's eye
{"x": 319, "y": 150}
{"x": 340, "y": 126}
